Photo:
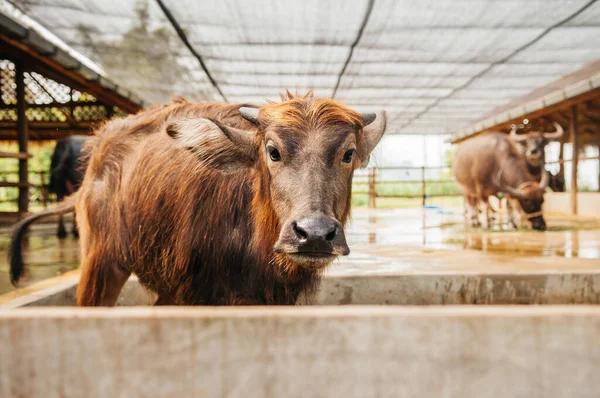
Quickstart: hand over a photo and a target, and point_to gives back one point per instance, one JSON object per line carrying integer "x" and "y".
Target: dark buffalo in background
{"x": 66, "y": 173}
{"x": 557, "y": 183}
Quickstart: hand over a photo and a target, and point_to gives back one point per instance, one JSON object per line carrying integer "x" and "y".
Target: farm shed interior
{"x": 436, "y": 67}
{"x": 448, "y": 69}
{"x": 48, "y": 92}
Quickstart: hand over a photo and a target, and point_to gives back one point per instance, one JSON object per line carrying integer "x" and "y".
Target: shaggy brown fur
{"x": 191, "y": 233}
{"x": 201, "y": 212}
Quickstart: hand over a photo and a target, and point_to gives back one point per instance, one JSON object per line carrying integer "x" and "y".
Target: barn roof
{"x": 32, "y": 37}
{"x": 437, "y": 66}
{"x": 64, "y": 92}
{"x": 582, "y": 86}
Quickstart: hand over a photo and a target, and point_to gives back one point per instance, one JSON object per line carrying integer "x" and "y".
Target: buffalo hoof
{"x": 75, "y": 233}
{"x": 475, "y": 224}
{"x": 61, "y": 233}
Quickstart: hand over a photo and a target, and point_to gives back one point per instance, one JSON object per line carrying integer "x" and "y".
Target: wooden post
{"x": 43, "y": 190}
{"x": 575, "y": 157}
{"x": 372, "y": 190}
{"x": 561, "y": 156}
{"x": 23, "y": 137}
{"x": 423, "y": 185}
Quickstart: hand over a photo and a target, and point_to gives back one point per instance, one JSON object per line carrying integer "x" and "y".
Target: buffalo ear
{"x": 224, "y": 148}
{"x": 373, "y": 133}
{"x": 365, "y": 163}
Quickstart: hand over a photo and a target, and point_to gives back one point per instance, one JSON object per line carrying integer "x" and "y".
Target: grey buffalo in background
{"x": 491, "y": 164}
{"x": 533, "y": 144}
{"x": 66, "y": 173}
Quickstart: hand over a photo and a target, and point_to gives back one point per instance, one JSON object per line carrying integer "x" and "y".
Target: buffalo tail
{"x": 15, "y": 253}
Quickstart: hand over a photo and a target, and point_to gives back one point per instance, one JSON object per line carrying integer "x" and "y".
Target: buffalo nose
{"x": 315, "y": 229}
{"x": 538, "y": 224}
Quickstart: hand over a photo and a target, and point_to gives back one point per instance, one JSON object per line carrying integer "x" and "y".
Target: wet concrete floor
{"x": 389, "y": 241}
{"x": 46, "y": 255}
{"x": 437, "y": 241}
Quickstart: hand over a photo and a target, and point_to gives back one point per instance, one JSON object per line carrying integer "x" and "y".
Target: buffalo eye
{"x": 348, "y": 156}
{"x": 273, "y": 153}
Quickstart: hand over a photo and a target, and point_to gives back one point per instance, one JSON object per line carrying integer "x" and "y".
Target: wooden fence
{"x": 386, "y": 182}
{"x": 375, "y": 182}
{"x": 38, "y": 191}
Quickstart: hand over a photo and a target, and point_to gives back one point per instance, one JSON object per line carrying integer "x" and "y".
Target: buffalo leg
{"x": 62, "y": 231}
{"x": 488, "y": 213}
{"x": 511, "y": 213}
{"x": 101, "y": 281}
{"x": 472, "y": 211}
{"x": 164, "y": 300}
{"x": 75, "y": 230}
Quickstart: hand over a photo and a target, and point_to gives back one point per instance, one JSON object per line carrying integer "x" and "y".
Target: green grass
{"x": 408, "y": 194}
{"x": 410, "y": 188}
{"x": 40, "y": 160}
{"x": 11, "y": 207}
{"x": 361, "y": 200}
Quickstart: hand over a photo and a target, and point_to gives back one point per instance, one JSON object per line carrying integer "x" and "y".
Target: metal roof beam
{"x": 507, "y": 58}
{"x": 358, "y": 37}
{"x": 185, "y": 41}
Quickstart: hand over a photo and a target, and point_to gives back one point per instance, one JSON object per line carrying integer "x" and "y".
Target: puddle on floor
{"x": 46, "y": 255}
{"x": 431, "y": 230}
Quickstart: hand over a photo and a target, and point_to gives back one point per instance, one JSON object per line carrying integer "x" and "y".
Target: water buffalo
{"x": 66, "y": 173}
{"x": 218, "y": 204}
{"x": 557, "y": 182}
{"x": 533, "y": 144}
{"x": 491, "y": 164}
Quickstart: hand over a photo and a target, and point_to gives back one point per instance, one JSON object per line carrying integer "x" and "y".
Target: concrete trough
{"x": 373, "y": 289}
{"x": 352, "y": 351}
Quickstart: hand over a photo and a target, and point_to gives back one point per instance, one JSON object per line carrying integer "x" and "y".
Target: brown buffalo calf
{"x": 217, "y": 204}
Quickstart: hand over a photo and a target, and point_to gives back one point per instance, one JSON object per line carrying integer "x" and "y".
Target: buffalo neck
{"x": 534, "y": 170}
{"x": 515, "y": 172}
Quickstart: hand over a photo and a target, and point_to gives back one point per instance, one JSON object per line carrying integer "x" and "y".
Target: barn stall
{"x": 413, "y": 299}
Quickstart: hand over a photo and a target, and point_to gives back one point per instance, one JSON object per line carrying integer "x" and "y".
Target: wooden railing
{"x": 374, "y": 183}
{"x": 38, "y": 192}
{"x": 371, "y": 182}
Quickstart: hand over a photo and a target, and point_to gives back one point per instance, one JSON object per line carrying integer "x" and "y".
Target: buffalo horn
{"x": 557, "y": 134}
{"x": 517, "y": 137}
{"x": 368, "y": 118}
{"x": 250, "y": 114}
{"x": 545, "y": 178}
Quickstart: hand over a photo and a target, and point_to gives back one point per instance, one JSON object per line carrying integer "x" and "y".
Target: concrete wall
{"x": 588, "y": 203}
{"x": 391, "y": 289}
{"x": 301, "y": 352}
{"x": 452, "y": 289}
